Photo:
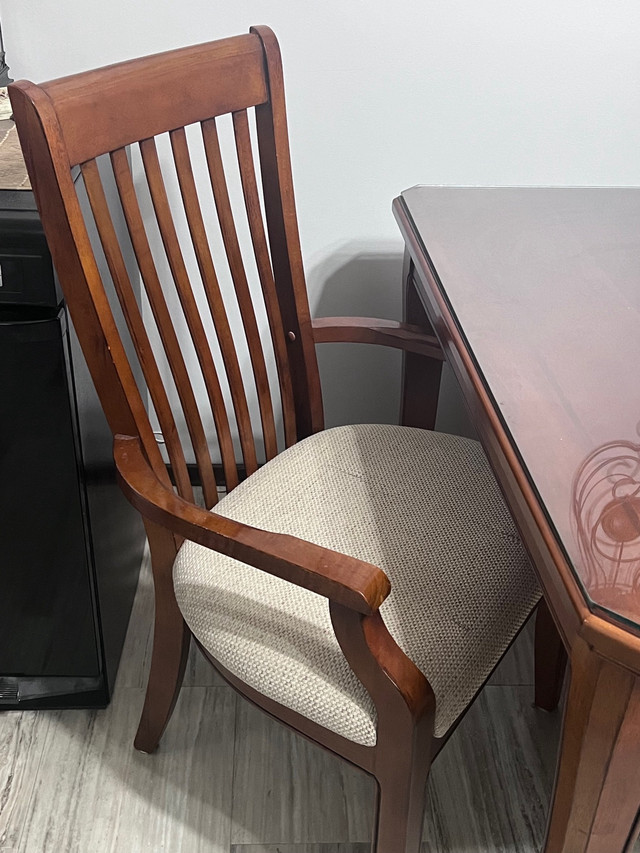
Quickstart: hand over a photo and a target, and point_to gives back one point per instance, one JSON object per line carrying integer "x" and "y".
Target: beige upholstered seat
{"x": 393, "y": 496}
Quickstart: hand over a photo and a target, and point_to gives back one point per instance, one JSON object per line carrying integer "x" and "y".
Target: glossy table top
{"x": 544, "y": 284}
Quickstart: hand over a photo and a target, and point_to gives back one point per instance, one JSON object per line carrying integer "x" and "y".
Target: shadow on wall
{"x": 360, "y": 382}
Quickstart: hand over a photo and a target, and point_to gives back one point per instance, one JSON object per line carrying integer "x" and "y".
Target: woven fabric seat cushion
{"x": 423, "y": 506}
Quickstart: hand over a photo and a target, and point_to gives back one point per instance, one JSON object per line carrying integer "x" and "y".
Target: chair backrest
{"x": 187, "y": 244}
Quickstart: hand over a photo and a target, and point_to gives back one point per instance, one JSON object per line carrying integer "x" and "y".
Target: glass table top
{"x": 545, "y": 286}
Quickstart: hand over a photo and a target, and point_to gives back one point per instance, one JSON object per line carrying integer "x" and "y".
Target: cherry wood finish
{"x": 145, "y": 124}
{"x": 171, "y": 639}
{"x": 555, "y": 272}
{"x": 550, "y": 660}
{"x": 286, "y": 255}
{"x": 517, "y": 284}
{"x": 404, "y": 336}
{"x": 596, "y": 803}
{"x": 348, "y": 581}
{"x": 420, "y": 378}
{"x": 125, "y": 124}
{"x": 91, "y": 107}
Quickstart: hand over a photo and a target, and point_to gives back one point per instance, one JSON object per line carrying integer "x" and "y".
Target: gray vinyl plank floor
{"x": 228, "y": 779}
{"x": 354, "y": 847}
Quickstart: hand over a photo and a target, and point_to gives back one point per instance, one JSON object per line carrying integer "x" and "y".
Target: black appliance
{"x": 70, "y": 544}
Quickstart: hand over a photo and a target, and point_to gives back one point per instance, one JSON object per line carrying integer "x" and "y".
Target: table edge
{"x": 570, "y": 608}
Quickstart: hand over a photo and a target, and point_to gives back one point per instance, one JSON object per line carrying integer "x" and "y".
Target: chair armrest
{"x": 370, "y": 330}
{"x": 345, "y": 580}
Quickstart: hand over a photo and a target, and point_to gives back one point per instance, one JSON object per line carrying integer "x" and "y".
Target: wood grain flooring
{"x": 228, "y": 779}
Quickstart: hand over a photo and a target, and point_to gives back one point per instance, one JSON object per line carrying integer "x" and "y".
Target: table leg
{"x": 550, "y": 660}
{"x": 597, "y": 791}
{"x": 420, "y": 375}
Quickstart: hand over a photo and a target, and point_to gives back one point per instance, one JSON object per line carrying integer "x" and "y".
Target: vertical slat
{"x": 263, "y": 263}
{"x": 131, "y": 311}
{"x": 133, "y": 218}
{"x": 215, "y": 301}
{"x": 65, "y": 228}
{"x": 191, "y": 311}
{"x": 234, "y": 256}
{"x": 282, "y": 228}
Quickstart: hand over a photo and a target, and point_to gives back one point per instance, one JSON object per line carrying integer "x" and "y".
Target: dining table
{"x": 534, "y": 295}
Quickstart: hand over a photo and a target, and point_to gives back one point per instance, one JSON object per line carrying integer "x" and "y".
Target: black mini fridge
{"x": 70, "y": 544}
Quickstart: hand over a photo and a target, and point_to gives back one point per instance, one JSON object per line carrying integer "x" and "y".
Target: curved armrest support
{"x": 370, "y": 330}
{"x": 382, "y": 666}
{"x": 355, "y": 584}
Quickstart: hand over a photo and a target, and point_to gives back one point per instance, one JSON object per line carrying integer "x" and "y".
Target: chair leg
{"x": 550, "y": 660}
{"x": 402, "y": 771}
{"x": 171, "y": 638}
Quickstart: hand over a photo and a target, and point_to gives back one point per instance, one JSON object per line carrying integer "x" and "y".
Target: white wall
{"x": 383, "y": 95}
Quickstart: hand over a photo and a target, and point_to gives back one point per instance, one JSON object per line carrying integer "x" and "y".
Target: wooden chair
{"x": 363, "y": 583}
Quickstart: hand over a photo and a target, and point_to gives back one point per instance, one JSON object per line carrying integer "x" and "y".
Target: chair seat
{"x": 421, "y": 505}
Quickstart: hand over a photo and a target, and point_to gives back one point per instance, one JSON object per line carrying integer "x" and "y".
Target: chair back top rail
{"x": 175, "y": 89}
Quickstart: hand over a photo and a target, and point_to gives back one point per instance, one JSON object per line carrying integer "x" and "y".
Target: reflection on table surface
{"x": 545, "y": 286}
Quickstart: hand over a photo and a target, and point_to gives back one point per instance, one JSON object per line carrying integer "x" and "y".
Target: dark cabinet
{"x": 70, "y": 544}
